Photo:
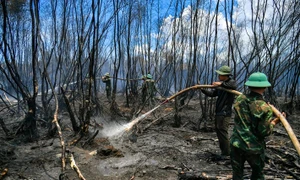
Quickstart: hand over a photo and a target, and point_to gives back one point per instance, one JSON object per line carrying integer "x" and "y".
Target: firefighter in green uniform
{"x": 252, "y": 123}
{"x": 106, "y": 80}
{"x": 148, "y": 88}
{"x": 144, "y": 89}
{"x": 223, "y": 108}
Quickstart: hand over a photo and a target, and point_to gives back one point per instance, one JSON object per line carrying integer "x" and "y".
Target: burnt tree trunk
{"x": 72, "y": 116}
{"x": 28, "y": 127}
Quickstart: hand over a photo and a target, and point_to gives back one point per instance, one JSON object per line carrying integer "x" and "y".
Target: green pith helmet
{"x": 224, "y": 70}
{"x": 149, "y": 76}
{"x": 107, "y": 75}
{"x": 258, "y": 79}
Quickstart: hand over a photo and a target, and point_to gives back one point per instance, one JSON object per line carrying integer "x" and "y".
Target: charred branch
{"x": 89, "y": 141}
{"x": 74, "y": 166}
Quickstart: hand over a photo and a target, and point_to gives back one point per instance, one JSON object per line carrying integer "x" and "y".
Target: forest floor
{"x": 156, "y": 151}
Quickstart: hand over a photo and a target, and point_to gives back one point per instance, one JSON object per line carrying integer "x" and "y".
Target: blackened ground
{"x": 150, "y": 151}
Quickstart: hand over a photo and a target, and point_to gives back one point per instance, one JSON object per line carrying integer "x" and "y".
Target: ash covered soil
{"x": 152, "y": 150}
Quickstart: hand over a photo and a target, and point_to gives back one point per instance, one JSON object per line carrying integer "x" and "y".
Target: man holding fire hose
{"x": 106, "y": 80}
{"x": 223, "y": 107}
{"x": 252, "y": 123}
{"x": 148, "y": 89}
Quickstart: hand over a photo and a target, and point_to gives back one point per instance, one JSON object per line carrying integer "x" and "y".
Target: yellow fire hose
{"x": 283, "y": 120}
{"x": 136, "y": 120}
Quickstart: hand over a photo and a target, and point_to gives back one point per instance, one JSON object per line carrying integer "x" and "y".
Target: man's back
{"x": 252, "y": 122}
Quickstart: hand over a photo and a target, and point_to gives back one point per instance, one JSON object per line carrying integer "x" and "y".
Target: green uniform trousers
{"x": 239, "y": 157}
{"x": 221, "y": 125}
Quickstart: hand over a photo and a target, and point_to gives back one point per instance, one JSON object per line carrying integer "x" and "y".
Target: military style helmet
{"x": 224, "y": 70}
{"x": 258, "y": 79}
{"x": 149, "y": 76}
{"x": 144, "y": 77}
{"x": 107, "y": 75}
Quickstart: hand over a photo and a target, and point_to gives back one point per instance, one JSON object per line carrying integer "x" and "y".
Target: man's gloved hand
{"x": 217, "y": 83}
{"x": 277, "y": 119}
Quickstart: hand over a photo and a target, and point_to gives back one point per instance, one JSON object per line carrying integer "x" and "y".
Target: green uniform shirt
{"x": 107, "y": 82}
{"x": 252, "y": 123}
{"x": 150, "y": 87}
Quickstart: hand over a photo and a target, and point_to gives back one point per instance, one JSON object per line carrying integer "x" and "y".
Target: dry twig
{"x": 74, "y": 166}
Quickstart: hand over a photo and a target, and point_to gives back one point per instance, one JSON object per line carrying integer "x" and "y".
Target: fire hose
{"x": 283, "y": 120}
